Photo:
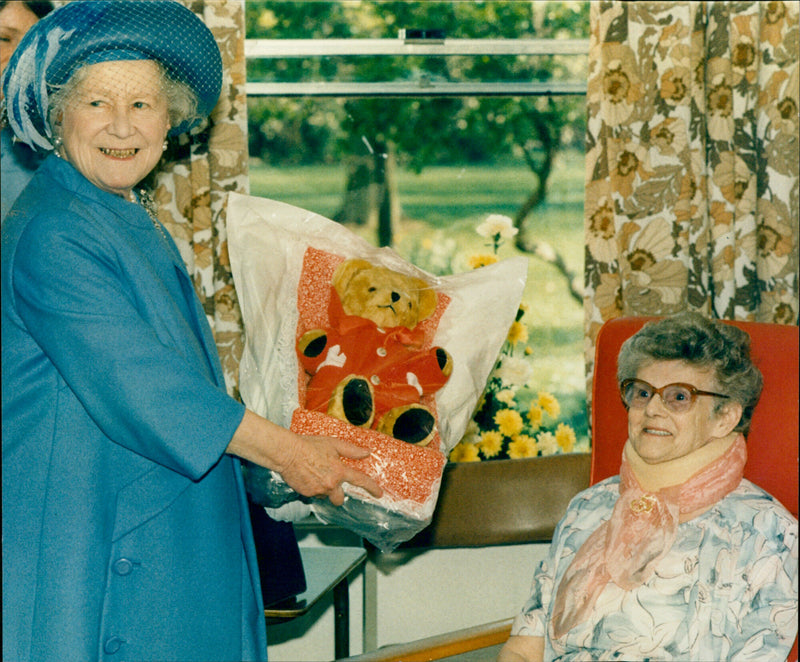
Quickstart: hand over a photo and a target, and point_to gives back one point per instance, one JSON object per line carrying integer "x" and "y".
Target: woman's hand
{"x": 311, "y": 466}
{"x": 316, "y": 468}
{"x": 522, "y": 649}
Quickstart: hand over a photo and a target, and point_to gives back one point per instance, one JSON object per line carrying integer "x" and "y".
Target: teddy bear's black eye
{"x": 371, "y": 289}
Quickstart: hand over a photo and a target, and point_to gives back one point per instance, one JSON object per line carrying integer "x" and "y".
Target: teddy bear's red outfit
{"x": 392, "y": 360}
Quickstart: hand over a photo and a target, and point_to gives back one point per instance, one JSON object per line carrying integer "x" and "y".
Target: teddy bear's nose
{"x": 395, "y": 297}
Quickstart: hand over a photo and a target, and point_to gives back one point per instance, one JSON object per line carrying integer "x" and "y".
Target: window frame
{"x": 261, "y": 49}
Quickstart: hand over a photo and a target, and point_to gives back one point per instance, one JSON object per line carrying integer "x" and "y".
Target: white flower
{"x": 497, "y": 226}
{"x": 506, "y": 396}
{"x": 514, "y": 372}
{"x": 547, "y": 443}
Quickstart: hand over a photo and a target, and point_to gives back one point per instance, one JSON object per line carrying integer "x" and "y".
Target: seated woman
{"x": 678, "y": 557}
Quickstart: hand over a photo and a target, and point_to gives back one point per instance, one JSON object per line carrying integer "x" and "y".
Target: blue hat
{"x": 92, "y": 31}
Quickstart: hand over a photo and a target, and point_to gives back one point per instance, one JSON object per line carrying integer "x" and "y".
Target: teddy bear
{"x": 370, "y": 366}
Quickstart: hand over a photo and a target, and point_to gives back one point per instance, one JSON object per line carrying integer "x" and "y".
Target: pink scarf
{"x": 642, "y": 529}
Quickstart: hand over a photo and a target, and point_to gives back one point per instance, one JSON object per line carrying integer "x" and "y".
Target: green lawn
{"x": 442, "y": 206}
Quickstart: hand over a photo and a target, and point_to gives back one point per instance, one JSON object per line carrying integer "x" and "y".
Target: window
{"x": 413, "y": 121}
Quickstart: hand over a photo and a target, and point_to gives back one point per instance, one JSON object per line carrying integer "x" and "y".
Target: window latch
{"x": 421, "y": 36}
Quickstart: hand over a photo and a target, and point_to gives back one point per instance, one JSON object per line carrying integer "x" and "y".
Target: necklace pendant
{"x": 149, "y": 205}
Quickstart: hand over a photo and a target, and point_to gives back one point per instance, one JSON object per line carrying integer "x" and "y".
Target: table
{"x": 327, "y": 569}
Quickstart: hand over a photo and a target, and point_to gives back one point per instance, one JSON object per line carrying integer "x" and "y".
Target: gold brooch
{"x": 643, "y": 504}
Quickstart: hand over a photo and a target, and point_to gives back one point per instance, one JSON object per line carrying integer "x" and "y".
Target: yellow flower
{"x": 549, "y": 403}
{"x": 455, "y": 454}
{"x": 508, "y": 421}
{"x": 484, "y": 260}
{"x": 522, "y": 446}
{"x": 517, "y": 333}
{"x": 546, "y": 443}
{"x": 528, "y": 350}
{"x": 535, "y": 415}
{"x": 464, "y": 452}
{"x": 491, "y": 443}
{"x": 565, "y": 437}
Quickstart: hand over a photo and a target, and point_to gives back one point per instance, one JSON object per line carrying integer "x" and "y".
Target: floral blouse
{"x": 726, "y": 590}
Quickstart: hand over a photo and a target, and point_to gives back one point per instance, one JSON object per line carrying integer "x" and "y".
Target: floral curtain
{"x": 692, "y": 198}
{"x": 198, "y": 173}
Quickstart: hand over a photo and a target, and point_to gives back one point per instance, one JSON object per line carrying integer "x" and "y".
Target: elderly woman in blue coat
{"x": 125, "y": 525}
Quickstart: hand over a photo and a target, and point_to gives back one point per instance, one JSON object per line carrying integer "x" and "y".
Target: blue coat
{"x": 126, "y": 534}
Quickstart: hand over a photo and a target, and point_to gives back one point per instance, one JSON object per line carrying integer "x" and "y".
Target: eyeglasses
{"x": 678, "y": 398}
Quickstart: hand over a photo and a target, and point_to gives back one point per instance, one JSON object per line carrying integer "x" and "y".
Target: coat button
{"x": 123, "y": 567}
{"x": 375, "y": 380}
{"x": 382, "y": 351}
{"x": 113, "y": 644}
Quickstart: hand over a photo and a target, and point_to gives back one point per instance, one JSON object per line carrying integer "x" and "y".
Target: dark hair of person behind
{"x": 703, "y": 343}
{"x": 39, "y": 7}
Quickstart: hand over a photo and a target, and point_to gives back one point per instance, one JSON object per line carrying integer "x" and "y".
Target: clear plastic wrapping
{"x": 271, "y": 246}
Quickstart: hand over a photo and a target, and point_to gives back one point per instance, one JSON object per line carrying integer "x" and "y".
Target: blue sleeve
{"x": 764, "y": 605}
{"x": 532, "y": 619}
